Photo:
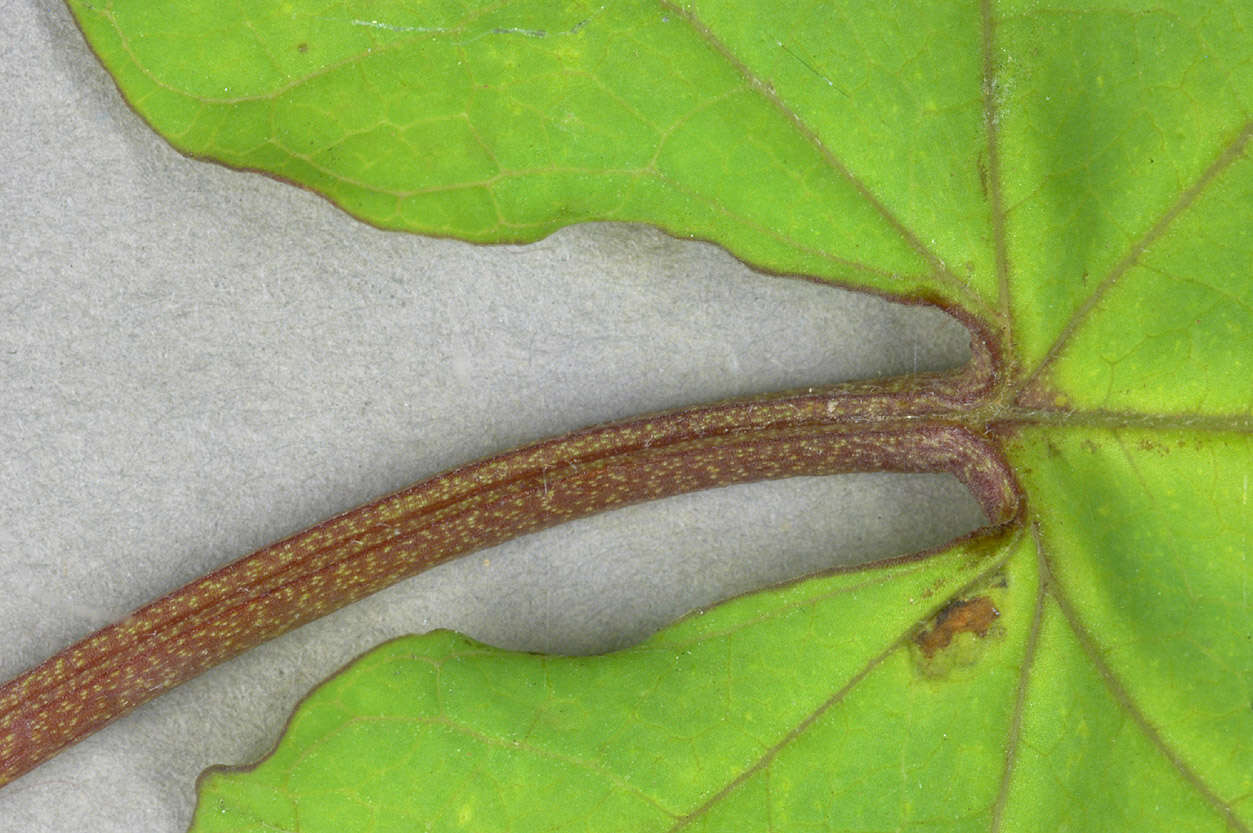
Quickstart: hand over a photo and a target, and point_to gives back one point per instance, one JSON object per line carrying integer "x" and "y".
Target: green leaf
{"x": 706, "y": 701}
{"x": 1073, "y": 179}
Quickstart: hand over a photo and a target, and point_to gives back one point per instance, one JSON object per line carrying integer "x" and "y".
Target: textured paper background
{"x": 195, "y": 361}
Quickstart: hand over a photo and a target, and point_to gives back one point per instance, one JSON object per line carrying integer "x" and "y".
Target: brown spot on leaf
{"x": 964, "y": 616}
{"x": 302, "y": 47}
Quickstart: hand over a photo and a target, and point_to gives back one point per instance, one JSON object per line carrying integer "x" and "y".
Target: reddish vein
{"x": 991, "y": 125}
{"x": 909, "y": 425}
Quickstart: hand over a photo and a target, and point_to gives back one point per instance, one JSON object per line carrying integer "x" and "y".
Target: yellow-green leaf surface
{"x": 1074, "y": 176}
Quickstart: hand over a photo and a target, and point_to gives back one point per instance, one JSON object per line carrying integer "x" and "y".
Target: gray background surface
{"x": 195, "y": 361}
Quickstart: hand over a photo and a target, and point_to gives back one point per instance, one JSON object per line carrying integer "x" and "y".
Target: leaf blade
{"x": 1147, "y": 545}
{"x": 1129, "y": 290}
{"x": 595, "y": 144}
{"x": 640, "y": 721}
{"x": 1103, "y": 140}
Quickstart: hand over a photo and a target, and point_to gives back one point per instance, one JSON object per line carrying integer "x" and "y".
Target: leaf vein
{"x": 939, "y": 268}
{"x": 1123, "y": 697}
{"x": 1224, "y": 161}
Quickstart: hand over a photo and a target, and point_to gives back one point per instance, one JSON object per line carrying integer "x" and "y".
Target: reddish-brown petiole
{"x": 916, "y": 424}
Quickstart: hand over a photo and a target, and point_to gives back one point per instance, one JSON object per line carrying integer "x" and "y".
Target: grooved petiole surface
{"x": 906, "y": 425}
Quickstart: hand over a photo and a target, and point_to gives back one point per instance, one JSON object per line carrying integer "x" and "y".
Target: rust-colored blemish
{"x": 965, "y": 616}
